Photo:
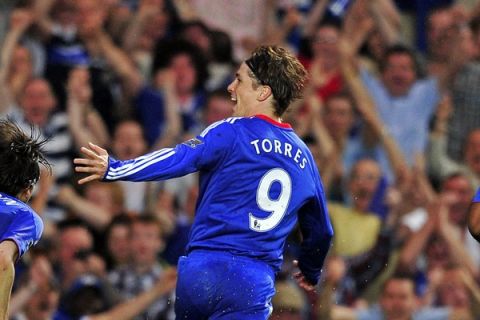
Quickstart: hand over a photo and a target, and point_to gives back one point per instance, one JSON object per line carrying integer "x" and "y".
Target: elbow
{"x": 6, "y": 262}
{"x": 474, "y": 230}
{"x": 325, "y": 241}
{"x": 8, "y": 254}
{"x": 474, "y": 220}
{"x": 329, "y": 236}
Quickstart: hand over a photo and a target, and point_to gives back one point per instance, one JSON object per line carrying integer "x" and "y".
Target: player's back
{"x": 249, "y": 202}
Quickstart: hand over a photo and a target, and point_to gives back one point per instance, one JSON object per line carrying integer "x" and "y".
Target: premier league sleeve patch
{"x": 193, "y": 143}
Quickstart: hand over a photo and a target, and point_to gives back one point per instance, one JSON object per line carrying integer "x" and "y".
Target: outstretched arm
{"x": 8, "y": 255}
{"x": 204, "y": 151}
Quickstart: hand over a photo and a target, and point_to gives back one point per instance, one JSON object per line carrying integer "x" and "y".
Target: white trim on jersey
{"x": 139, "y": 161}
{"x": 216, "y": 124}
{"x": 232, "y": 119}
{"x": 137, "y": 166}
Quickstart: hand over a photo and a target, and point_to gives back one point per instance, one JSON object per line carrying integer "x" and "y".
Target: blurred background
{"x": 391, "y": 113}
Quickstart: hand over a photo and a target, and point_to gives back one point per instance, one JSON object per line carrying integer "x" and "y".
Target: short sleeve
{"x": 25, "y": 230}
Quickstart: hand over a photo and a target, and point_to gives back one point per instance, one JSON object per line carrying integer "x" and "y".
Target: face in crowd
{"x": 363, "y": 183}
{"x": 399, "y": 73}
{"x": 398, "y": 300}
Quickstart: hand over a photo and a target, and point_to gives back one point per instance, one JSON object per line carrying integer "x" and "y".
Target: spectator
{"x": 118, "y": 249}
{"x": 218, "y": 106}
{"x": 324, "y": 65}
{"x": 440, "y": 164}
{"x": 98, "y": 205}
{"x": 144, "y": 268}
{"x": 397, "y": 97}
{"x": 289, "y": 302}
{"x": 458, "y": 290}
{"x": 129, "y": 142}
{"x": 153, "y": 21}
{"x": 73, "y": 238}
{"x": 364, "y": 178}
{"x": 444, "y": 236}
{"x": 451, "y": 53}
{"x": 179, "y": 73}
{"x": 16, "y": 59}
{"x": 221, "y": 67}
{"x": 398, "y": 301}
{"x": 38, "y": 295}
{"x": 78, "y": 39}
{"x": 38, "y": 108}
{"x": 89, "y": 299}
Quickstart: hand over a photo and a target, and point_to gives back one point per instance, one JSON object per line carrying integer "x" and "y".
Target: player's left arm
{"x": 317, "y": 235}
{"x": 8, "y": 255}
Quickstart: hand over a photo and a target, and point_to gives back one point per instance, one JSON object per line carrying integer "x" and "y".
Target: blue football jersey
{"x": 19, "y": 223}
{"x": 257, "y": 177}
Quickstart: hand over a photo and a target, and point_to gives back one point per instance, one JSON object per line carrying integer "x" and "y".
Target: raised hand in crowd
{"x": 165, "y": 80}
{"x": 15, "y": 61}
{"x": 85, "y": 124}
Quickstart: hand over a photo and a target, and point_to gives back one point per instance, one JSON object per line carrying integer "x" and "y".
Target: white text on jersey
{"x": 276, "y": 146}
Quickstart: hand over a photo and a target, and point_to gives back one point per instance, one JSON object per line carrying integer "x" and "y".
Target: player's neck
{"x": 267, "y": 112}
{"x": 274, "y": 118}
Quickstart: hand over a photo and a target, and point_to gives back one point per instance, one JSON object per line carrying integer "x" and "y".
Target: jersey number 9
{"x": 278, "y": 206}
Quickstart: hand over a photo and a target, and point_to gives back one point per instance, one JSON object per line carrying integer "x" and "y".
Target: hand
{"x": 165, "y": 79}
{"x": 302, "y": 282}
{"x": 167, "y": 282}
{"x": 21, "y": 19}
{"x": 79, "y": 85}
{"x": 40, "y": 271}
{"x": 460, "y": 14}
{"x": 336, "y": 270}
{"x": 293, "y": 18}
{"x": 444, "y": 108}
{"x": 316, "y": 105}
{"x": 91, "y": 25}
{"x": 445, "y": 201}
{"x": 95, "y": 163}
{"x": 150, "y": 7}
{"x": 96, "y": 265}
{"x": 46, "y": 181}
{"x": 65, "y": 195}
{"x": 436, "y": 277}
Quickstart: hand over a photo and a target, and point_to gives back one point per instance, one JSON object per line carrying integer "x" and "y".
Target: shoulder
{"x": 428, "y": 83}
{"x": 226, "y": 125}
{"x": 28, "y": 221}
{"x": 14, "y": 205}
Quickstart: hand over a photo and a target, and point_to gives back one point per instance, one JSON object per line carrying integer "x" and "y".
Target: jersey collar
{"x": 274, "y": 122}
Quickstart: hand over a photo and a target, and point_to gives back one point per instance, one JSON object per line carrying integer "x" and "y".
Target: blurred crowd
{"x": 391, "y": 113}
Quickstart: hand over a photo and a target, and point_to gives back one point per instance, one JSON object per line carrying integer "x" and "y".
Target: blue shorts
{"x": 219, "y": 285}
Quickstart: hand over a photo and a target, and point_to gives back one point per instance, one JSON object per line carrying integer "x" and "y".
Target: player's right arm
{"x": 8, "y": 255}
{"x": 317, "y": 233}
{"x": 201, "y": 152}
{"x": 474, "y": 217}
